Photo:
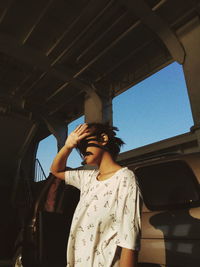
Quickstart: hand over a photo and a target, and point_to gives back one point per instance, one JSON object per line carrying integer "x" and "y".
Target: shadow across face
{"x": 85, "y": 143}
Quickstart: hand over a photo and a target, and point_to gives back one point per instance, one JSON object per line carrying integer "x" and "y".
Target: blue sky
{"x": 155, "y": 109}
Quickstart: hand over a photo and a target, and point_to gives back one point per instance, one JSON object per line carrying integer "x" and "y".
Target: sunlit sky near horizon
{"x": 154, "y": 109}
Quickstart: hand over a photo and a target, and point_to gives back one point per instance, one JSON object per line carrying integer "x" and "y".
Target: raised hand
{"x": 77, "y": 135}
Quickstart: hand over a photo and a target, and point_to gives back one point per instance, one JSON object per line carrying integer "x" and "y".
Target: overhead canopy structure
{"x": 52, "y": 51}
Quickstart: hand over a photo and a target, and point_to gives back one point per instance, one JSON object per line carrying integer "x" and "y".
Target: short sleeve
{"x": 74, "y": 178}
{"x": 129, "y": 212}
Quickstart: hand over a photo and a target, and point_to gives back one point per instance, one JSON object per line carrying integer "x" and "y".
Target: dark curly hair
{"x": 114, "y": 143}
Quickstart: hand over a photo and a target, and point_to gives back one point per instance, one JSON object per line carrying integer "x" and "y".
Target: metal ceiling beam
{"x": 126, "y": 58}
{"x": 37, "y": 20}
{"x": 157, "y": 25}
{"x": 62, "y": 105}
{"x": 108, "y": 29}
{"x": 5, "y": 5}
{"x": 42, "y": 62}
{"x": 66, "y": 52}
{"x": 91, "y": 62}
{"x": 103, "y": 52}
{"x": 34, "y": 59}
{"x": 11, "y": 47}
{"x": 68, "y": 49}
{"x": 92, "y": 44}
{"x": 84, "y": 12}
{"x": 59, "y": 40}
{"x": 119, "y": 38}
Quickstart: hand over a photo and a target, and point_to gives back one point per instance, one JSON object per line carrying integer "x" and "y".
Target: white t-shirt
{"x": 107, "y": 217}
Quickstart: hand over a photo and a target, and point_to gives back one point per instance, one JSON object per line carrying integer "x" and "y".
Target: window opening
{"x": 47, "y": 150}
{"x": 154, "y": 109}
{"x": 168, "y": 185}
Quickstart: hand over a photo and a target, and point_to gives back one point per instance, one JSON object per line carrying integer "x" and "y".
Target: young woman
{"x": 106, "y": 227}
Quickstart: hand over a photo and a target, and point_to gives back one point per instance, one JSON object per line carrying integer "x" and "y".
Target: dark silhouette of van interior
{"x": 168, "y": 185}
{"x": 171, "y": 189}
{"x": 45, "y": 235}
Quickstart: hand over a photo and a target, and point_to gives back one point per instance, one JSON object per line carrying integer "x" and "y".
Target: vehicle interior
{"x": 64, "y": 59}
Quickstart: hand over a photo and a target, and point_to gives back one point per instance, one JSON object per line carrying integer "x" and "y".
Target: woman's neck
{"x": 108, "y": 165}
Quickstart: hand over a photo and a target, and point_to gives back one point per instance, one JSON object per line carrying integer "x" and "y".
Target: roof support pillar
{"x": 190, "y": 38}
{"x": 97, "y": 108}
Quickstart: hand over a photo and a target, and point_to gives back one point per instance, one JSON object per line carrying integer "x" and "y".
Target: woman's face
{"x": 92, "y": 154}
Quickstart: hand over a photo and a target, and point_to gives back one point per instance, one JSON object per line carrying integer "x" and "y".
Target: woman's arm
{"x": 128, "y": 258}
{"x": 59, "y": 163}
